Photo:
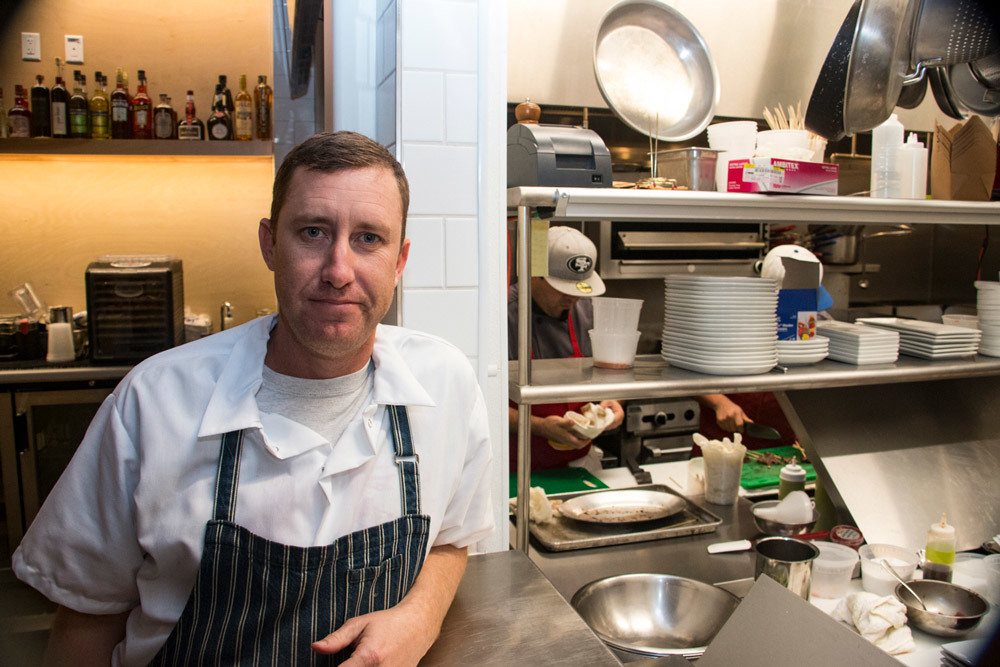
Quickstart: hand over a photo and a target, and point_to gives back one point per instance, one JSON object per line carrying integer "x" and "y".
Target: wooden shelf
{"x": 134, "y": 147}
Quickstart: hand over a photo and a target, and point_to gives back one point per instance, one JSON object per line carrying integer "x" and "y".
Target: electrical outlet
{"x": 31, "y": 46}
{"x": 74, "y": 49}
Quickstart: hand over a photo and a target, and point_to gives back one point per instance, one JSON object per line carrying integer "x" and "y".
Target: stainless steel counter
{"x": 681, "y": 556}
{"x": 41, "y": 373}
{"x": 506, "y": 613}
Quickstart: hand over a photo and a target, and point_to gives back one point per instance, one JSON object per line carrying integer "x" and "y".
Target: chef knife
{"x": 760, "y": 431}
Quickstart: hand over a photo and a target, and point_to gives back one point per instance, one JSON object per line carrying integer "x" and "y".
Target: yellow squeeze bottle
{"x": 940, "y": 555}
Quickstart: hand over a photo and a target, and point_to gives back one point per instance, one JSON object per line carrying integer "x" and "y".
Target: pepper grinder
{"x": 60, "y": 330}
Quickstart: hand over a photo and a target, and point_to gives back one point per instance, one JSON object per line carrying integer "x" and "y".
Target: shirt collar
{"x": 233, "y": 405}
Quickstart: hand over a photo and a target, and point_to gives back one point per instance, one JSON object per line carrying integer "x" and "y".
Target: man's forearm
{"x": 435, "y": 586}
{"x": 83, "y": 639}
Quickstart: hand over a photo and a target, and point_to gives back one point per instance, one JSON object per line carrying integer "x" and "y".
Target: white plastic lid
{"x": 834, "y": 557}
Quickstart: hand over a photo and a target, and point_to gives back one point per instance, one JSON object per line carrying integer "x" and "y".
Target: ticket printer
{"x": 556, "y": 155}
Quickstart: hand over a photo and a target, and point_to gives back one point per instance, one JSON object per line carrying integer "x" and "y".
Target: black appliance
{"x": 135, "y": 307}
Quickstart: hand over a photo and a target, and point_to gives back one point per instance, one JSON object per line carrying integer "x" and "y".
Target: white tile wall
{"x": 425, "y": 266}
{"x": 451, "y": 314}
{"x": 385, "y": 112}
{"x": 423, "y": 98}
{"x": 443, "y": 178}
{"x": 439, "y": 34}
{"x": 461, "y": 252}
{"x": 461, "y": 108}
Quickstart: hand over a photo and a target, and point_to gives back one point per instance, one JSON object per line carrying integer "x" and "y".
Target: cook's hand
{"x": 390, "y": 637}
{"x": 616, "y": 408}
{"x": 730, "y": 417}
{"x": 559, "y": 429}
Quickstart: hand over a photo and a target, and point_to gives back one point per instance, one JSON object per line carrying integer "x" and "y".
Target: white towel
{"x": 880, "y": 620}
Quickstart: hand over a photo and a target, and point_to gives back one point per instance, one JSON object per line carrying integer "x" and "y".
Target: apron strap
{"x": 228, "y": 476}
{"x": 406, "y": 459}
{"x": 572, "y": 335}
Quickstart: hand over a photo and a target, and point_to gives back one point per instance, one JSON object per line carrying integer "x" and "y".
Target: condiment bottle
{"x": 886, "y": 140}
{"x": 940, "y": 551}
{"x": 791, "y": 478}
{"x": 912, "y": 160}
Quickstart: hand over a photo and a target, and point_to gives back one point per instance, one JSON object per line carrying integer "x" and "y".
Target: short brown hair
{"x": 330, "y": 152}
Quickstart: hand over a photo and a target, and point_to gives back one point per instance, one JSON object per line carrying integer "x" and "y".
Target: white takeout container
{"x": 874, "y": 578}
{"x": 832, "y": 569}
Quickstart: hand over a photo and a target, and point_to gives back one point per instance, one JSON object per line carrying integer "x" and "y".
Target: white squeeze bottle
{"x": 940, "y": 556}
{"x": 886, "y": 140}
{"x": 912, "y": 160}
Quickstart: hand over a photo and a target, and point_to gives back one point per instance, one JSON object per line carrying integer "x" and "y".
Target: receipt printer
{"x": 556, "y": 155}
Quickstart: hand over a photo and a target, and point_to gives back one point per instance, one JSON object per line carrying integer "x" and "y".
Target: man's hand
{"x": 728, "y": 415}
{"x": 558, "y": 429}
{"x": 396, "y": 636}
{"x": 616, "y": 408}
{"x": 402, "y": 634}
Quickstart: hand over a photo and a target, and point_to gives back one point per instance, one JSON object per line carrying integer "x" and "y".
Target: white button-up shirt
{"x": 124, "y": 526}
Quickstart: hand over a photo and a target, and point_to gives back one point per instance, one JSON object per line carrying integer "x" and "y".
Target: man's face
{"x": 552, "y": 302}
{"x": 337, "y": 256}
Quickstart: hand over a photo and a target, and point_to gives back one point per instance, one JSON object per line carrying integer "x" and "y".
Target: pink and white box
{"x": 767, "y": 174}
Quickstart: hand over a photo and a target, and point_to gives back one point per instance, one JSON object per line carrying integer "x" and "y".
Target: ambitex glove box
{"x": 135, "y": 307}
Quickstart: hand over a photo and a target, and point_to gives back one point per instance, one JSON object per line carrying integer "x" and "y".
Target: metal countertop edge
{"x": 81, "y": 374}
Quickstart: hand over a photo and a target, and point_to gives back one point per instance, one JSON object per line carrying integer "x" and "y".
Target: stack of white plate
{"x": 720, "y": 325}
{"x": 929, "y": 340}
{"x": 859, "y": 344}
{"x": 803, "y": 352}
{"x": 988, "y": 307}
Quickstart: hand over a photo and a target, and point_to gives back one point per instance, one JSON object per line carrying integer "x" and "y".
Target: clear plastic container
{"x": 616, "y": 315}
{"x": 832, "y": 570}
{"x": 874, "y": 578}
{"x": 614, "y": 350}
{"x": 887, "y": 138}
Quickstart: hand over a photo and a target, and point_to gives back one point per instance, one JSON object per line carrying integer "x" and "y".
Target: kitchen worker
{"x": 561, "y": 317}
{"x": 722, "y": 415}
{"x": 300, "y": 488}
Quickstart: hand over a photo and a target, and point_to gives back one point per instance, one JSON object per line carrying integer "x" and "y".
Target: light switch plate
{"x": 31, "y": 46}
{"x": 74, "y": 49}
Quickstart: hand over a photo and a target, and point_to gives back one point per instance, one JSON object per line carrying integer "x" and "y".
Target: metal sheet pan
{"x": 622, "y": 506}
{"x": 562, "y": 534}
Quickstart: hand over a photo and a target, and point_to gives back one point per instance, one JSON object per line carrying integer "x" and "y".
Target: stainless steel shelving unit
{"x": 559, "y": 380}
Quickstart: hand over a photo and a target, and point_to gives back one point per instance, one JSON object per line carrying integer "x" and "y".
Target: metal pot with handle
{"x": 843, "y": 244}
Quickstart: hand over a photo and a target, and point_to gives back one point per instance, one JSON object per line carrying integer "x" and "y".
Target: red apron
{"x": 543, "y": 456}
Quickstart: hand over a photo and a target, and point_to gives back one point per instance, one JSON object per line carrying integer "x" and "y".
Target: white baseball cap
{"x": 572, "y": 258}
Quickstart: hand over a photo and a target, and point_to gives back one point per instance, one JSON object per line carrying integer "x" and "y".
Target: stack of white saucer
{"x": 720, "y": 325}
{"x": 988, "y": 307}
{"x": 859, "y": 344}
{"x": 929, "y": 340}
{"x": 802, "y": 352}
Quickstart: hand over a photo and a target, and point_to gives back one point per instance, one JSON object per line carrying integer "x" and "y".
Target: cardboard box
{"x": 765, "y": 174}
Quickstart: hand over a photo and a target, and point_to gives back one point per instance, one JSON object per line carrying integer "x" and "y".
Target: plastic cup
{"x": 874, "y": 578}
{"x": 732, "y": 135}
{"x": 613, "y": 349}
{"x": 723, "y": 467}
{"x": 832, "y": 569}
{"x": 615, "y": 315}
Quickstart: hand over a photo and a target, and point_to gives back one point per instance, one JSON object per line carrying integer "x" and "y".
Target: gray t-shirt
{"x": 326, "y": 406}
{"x": 550, "y": 335}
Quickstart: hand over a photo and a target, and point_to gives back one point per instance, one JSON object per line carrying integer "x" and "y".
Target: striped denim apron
{"x": 259, "y": 602}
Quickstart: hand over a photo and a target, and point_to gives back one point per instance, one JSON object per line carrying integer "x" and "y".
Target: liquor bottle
{"x": 19, "y": 117}
{"x": 100, "y": 123}
{"x": 163, "y": 119}
{"x": 3, "y": 117}
{"x": 243, "y": 121}
{"x": 220, "y": 126}
{"x": 41, "y": 106}
{"x": 121, "y": 121}
{"x": 142, "y": 111}
{"x": 190, "y": 128}
{"x": 263, "y": 98}
{"x": 79, "y": 108}
{"x": 60, "y": 109}
{"x": 228, "y": 96}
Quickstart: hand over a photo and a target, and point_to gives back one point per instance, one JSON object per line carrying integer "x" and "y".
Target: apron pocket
{"x": 377, "y": 587}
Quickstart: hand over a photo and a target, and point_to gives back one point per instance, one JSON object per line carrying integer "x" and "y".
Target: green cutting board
{"x": 560, "y": 480}
{"x": 757, "y": 475}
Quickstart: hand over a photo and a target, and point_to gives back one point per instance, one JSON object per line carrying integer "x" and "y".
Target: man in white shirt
{"x": 302, "y": 487}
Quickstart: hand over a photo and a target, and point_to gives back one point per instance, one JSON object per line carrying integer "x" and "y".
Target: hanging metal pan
{"x": 655, "y": 71}
{"x": 944, "y": 94}
{"x": 825, "y": 113}
{"x": 972, "y": 91}
{"x": 880, "y": 57}
{"x": 913, "y": 94}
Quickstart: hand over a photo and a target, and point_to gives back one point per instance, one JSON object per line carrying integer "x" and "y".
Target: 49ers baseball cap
{"x": 572, "y": 258}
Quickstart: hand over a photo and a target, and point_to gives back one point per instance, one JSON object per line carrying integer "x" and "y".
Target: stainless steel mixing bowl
{"x": 951, "y": 610}
{"x": 654, "y": 614}
{"x": 769, "y": 527}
